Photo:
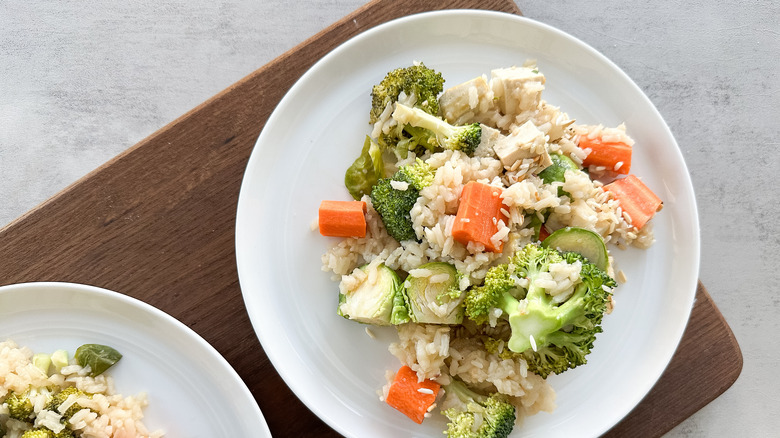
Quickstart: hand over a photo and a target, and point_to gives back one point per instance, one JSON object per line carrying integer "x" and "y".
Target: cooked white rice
{"x": 106, "y": 414}
{"x": 423, "y": 347}
{"x": 435, "y": 353}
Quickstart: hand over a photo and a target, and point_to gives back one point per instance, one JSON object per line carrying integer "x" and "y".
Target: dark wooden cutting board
{"x": 157, "y": 223}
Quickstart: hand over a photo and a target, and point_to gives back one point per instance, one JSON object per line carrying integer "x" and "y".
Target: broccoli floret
{"x": 465, "y": 138}
{"x": 42, "y": 432}
{"x": 498, "y": 415}
{"x": 65, "y": 433}
{"x": 550, "y": 359}
{"x": 418, "y": 82}
{"x": 481, "y": 300}
{"x": 420, "y": 174}
{"x": 19, "y": 406}
{"x": 405, "y": 138}
{"x": 420, "y": 87}
{"x": 38, "y": 432}
{"x": 395, "y": 204}
{"x": 62, "y": 396}
{"x": 552, "y": 337}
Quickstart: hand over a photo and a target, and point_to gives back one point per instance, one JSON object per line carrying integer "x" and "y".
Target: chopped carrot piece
{"x": 410, "y": 396}
{"x": 636, "y": 199}
{"x": 614, "y": 156}
{"x": 478, "y": 214}
{"x": 543, "y": 233}
{"x": 342, "y": 218}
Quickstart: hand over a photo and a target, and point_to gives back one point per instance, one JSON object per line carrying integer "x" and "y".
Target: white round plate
{"x": 316, "y": 132}
{"x": 191, "y": 389}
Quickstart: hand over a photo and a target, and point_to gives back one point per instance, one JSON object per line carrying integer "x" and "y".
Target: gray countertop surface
{"x": 81, "y": 83}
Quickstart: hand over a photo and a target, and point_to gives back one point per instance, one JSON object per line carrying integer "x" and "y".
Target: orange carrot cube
{"x": 410, "y": 396}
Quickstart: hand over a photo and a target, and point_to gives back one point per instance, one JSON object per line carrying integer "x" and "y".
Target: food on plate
{"x": 54, "y": 396}
{"x": 488, "y": 215}
{"x": 97, "y": 357}
{"x": 639, "y": 203}
{"x": 393, "y": 198}
{"x": 342, "y": 218}
{"x": 412, "y": 397}
{"x": 379, "y": 301}
{"x": 464, "y": 138}
{"x": 554, "y": 325}
{"x": 480, "y": 416}
{"x": 416, "y": 86}
{"x": 606, "y": 150}
{"x": 433, "y": 295}
{"x": 479, "y": 216}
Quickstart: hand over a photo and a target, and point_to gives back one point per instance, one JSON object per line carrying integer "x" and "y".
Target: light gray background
{"x": 81, "y": 81}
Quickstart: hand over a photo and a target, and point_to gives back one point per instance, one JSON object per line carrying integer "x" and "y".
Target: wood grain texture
{"x": 707, "y": 362}
{"x": 157, "y": 223}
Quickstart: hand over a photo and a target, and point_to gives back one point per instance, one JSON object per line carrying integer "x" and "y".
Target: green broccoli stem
{"x": 421, "y": 119}
{"x": 508, "y": 303}
{"x": 540, "y": 317}
{"x": 463, "y": 393}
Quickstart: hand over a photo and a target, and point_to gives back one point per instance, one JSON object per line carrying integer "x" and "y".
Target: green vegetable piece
{"x": 419, "y": 173}
{"x": 554, "y": 172}
{"x": 59, "y": 359}
{"x": 421, "y": 86}
{"x": 65, "y": 433}
{"x": 60, "y": 398}
{"x": 42, "y": 361}
{"x": 410, "y": 138}
{"x": 552, "y": 337}
{"x": 43, "y": 432}
{"x": 379, "y": 303}
{"x": 464, "y": 138}
{"x": 497, "y": 415}
{"x": 584, "y": 242}
{"x": 435, "y": 298}
{"x": 38, "y": 432}
{"x": 557, "y": 170}
{"x": 19, "y": 406}
{"x": 97, "y": 357}
{"x": 482, "y": 299}
{"x": 416, "y": 80}
{"x": 365, "y": 171}
{"x": 536, "y": 223}
{"x": 394, "y": 205}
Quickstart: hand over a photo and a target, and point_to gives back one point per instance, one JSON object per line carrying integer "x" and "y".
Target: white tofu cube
{"x": 465, "y": 103}
{"x": 517, "y": 89}
{"x": 526, "y": 141}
